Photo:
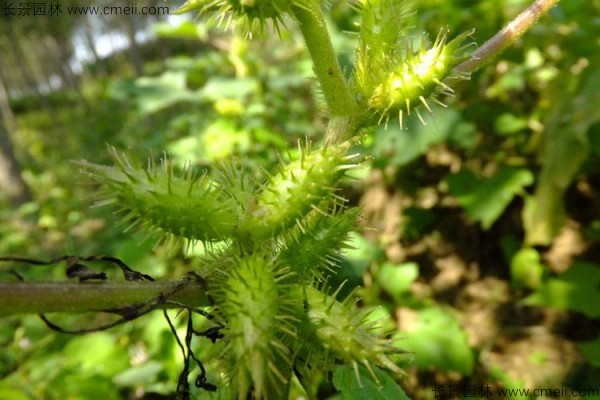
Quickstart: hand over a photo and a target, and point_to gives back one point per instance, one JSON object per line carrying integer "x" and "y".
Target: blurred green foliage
{"x": 437, "y": 340}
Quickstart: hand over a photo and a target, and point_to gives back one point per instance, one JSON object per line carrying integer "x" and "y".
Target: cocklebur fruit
{"x": 157, "y": 199}
{"x": 390, "y": 77}
{"x": 314, "y": 246}
{"x": 249, "y": 15}
{"x": 419, "y": 76}
{"x": 334, "y": 331}
{"x": 251, "y": 300}
{"x": 299, "y": 187}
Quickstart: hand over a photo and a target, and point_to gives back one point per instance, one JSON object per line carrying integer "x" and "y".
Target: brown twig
{"x": 507, "y": 36}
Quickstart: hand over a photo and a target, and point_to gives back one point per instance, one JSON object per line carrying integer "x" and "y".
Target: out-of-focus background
{"x": 483, "y": 232}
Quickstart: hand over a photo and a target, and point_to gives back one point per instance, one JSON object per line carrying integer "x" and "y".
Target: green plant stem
{"x": 507, "y": 36}
{"x": 327, "y": 69}
{"x": 340, "y": 129}
{"x": 48, "y": 297}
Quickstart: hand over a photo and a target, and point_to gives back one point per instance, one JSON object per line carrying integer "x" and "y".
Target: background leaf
{"x": 437, "y": 340}
{"x": 363, "y": 386}
{"x": 578, "y": 289}
{"x": 484, "y": 200}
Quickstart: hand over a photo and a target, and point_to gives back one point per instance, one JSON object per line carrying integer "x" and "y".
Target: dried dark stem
{"x": 507, "y": 36}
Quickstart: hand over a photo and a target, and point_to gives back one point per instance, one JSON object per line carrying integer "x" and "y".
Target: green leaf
{"x": 417, "y": 222}
{"x": 363, "y": 386}
{"x": 591, "y": 351}
{"x": 485, "y": 200}
{"x": 106, "y": 359}
{"x": 565, "y": 148}
{"x": 139, "y": 375}
{"x": 217, "y": 141}
{"x": 438, "y": 341}
{"x": 508, "y": 382}
{"x": 526, "y": 269}
{"x": 157, "y": 93}
{"x": 575, "y": 290}
{"x": 185, "y": 30}
{"x": 223, "y": 138}
{"x": 7, "y": 392}
{"x": 360, "y": 252}
{"x": 397, "y": 278}
{"x": 508, "y": 124}
{"x": 229, "y": 88}
{"x": 400, "y": 147}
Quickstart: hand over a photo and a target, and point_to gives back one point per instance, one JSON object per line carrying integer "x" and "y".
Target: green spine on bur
{"x": 416, "y": 78}
{"x": 158, "y": 199}
{"x": 382, "y": 26}
{"x": 249, "y": 15}
{"x": 249, "y": 298}
{"x": 314, "y": 247}
{"x": 297, "y": 188}
{"x": 342, "y": 333}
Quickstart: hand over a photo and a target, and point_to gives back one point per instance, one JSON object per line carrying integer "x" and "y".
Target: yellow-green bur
{"x": 157, "y": 199}
{"x": 343, "y": 333}
{"x": 299, "y": 187}
{"x": 250, "y": 301}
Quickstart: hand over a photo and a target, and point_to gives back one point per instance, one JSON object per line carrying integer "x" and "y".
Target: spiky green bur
{"x": 390, "y": 77}
{"x": 310, "y": 249}
{"x": 158, "y": 199}
{"x": 383, "y": 23}
{"x": 299, "y": 187}
{"x": 250, "y": 300}
{"x": 342, "y": 333}
{"x": 249, "y": 15}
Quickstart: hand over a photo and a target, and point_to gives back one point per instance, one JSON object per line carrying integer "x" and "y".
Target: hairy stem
{"x": 48, "y": 297}
{"x": 326, "y": 67}
{"x": 507, "y": 36}
{"x": 340, "y": 129}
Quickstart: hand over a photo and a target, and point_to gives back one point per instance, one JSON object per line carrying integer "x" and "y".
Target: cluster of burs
{"x": 279, "y": 233}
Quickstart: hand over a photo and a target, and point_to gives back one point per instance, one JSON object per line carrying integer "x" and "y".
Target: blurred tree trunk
{"x": 6, "y": 112}
{"x": 32, "y": 83}
{"x": 88, "y": 30}
{"x": 164, "y": 48}
{"x": 134, "y": 50}
{"x": 11, "y": 181}
{"x": 36, "y": 55}
{"x": 61, "y": 59}
{"x": 9, "y": 68}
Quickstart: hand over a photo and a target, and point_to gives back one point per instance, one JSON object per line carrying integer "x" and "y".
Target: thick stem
{"x": 340, "y": 129}
{"x": 48, "y": 297}
{"x": 507, "y": 36}
{"x": 336, "y": 91}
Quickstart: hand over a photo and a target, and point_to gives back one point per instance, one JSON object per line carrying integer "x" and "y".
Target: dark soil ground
{"x": 463, "y": 266}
